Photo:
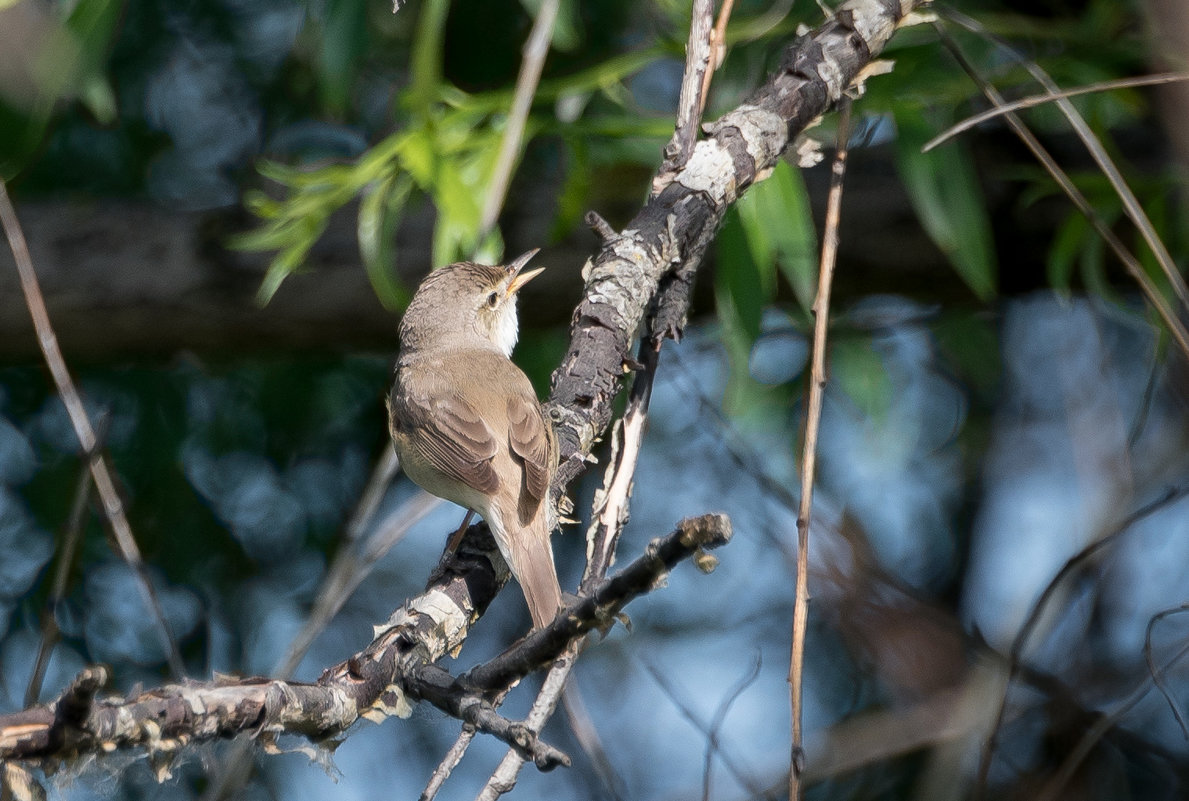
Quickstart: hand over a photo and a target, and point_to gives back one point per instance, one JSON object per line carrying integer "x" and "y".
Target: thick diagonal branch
{"x": 673, "y": 230}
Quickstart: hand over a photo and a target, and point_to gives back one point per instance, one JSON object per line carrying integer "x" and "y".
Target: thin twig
{"x": 1131, "y": 204}
{"x": 1023, "y": 636}
{"x": 448, "y": 764}
{"x": 718, "y": 46}
{"x": 1157, "y": 675}
{"x": 611, "y": 507}
{"x": 105, "y": 484}
{"x": 813, "y": 416}
{"x": 49, "y": 622}
{"x": 713, "y": 746}
{"x": 1102, "y": 724}
{"x": 1040, "y": 100}
{"x": 678, "y": 698}
{"x": 533, "y": 61}
{"x": 1168, "y": 315}
{"x": 504, "y": 777}
{"x": 694, "y": 82}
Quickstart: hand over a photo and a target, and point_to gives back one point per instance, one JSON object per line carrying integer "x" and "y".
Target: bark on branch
{"x": 670, "y": 235}
{"x": 380, "y": 681}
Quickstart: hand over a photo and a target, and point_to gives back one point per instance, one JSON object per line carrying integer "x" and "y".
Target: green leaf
{"x": 778, "y": 223}
{"x": 1063, "y": 254}
{"x": 945, "y": 192}
{"x": 739, "y": 317}
{"x": 573, "y": 199}
{"x": 344, "y": 40}
{"x": 744, "y": 284}
{"x": 427, "y": 54}
{"x": 1093, "y": 269}
{"x": 380, "y": 213}
{"x": 92, "y": 23}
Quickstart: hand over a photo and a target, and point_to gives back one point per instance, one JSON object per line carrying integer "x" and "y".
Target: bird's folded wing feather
{"x": 528, "y": 436}
{"x": 453, "y": 438}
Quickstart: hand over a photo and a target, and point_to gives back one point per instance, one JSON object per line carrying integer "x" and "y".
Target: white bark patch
{"x": 450, "y": 619}
{"x": 809, "y": 152}
{"x": 711, "y": 170}
{"x": 872, "y": 22}
{"x": 918, "y": 18}
{"x": 881, "y": 66}
{"x": 831, "y": 75}
{"x": 392, "y": 703}
{"x": 764, "y": 132}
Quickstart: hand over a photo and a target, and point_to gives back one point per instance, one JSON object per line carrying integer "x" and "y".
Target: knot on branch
{"x": 705, "y": 531}
{"x": 73, "y": 705}
{"x": 601, "y": 227}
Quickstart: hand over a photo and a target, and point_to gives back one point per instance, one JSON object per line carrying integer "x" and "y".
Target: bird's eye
{"x": 493, "y": 300}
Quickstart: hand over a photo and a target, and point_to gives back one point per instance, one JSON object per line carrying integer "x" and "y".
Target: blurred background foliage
{"x": 1000, "y": 398}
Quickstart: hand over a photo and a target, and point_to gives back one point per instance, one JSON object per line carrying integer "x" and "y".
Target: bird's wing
{"x": 448, "y": 433}
{"x": 530, "y": 438}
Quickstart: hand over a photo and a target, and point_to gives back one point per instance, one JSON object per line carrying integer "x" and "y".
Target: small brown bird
{"x": 466, "y": 422}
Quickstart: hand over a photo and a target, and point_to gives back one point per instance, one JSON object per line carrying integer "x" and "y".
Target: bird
{"x": 466, "y": 422}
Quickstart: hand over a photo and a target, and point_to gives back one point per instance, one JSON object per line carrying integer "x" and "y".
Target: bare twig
{"x": 813, "y": 416}
{"x": 376, "y": 682}
{"x": 718, "y": 47}
{"x": 49, "y": 622}
{"x": 1168, "y": 315}
{"x": 448, "y": 764}
{"x": 1102, "y": 724}
{"x": 105, "y": 484}
{"x": 611, "y": 505}
{"x": 677, "y": 698}
{"x": 694, "y": 83}
{"x": 504, "y": 777}
{"x": 1020, "y": 642}
{"x": 713, "y": 746}
{"x": 1039, "y": 100}
{"x": 1157, "y": 675}
{"x": 435, "y": 684}
{"x": 533, "y": 61}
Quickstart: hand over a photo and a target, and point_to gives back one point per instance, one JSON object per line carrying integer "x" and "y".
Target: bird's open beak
{"x": 519, "y": 279}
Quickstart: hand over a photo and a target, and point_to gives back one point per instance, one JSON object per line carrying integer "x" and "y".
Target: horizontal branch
{"x": 598, "y": 609}
{"x": 378, "y": 682}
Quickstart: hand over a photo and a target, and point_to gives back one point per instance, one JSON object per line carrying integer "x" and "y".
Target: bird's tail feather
{"x": 530, "y": 556}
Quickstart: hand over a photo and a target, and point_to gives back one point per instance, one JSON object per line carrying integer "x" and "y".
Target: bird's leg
{"x": 452, "y": 544}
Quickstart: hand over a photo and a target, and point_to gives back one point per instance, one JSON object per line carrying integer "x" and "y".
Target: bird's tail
{"x": 530, "y": 556}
